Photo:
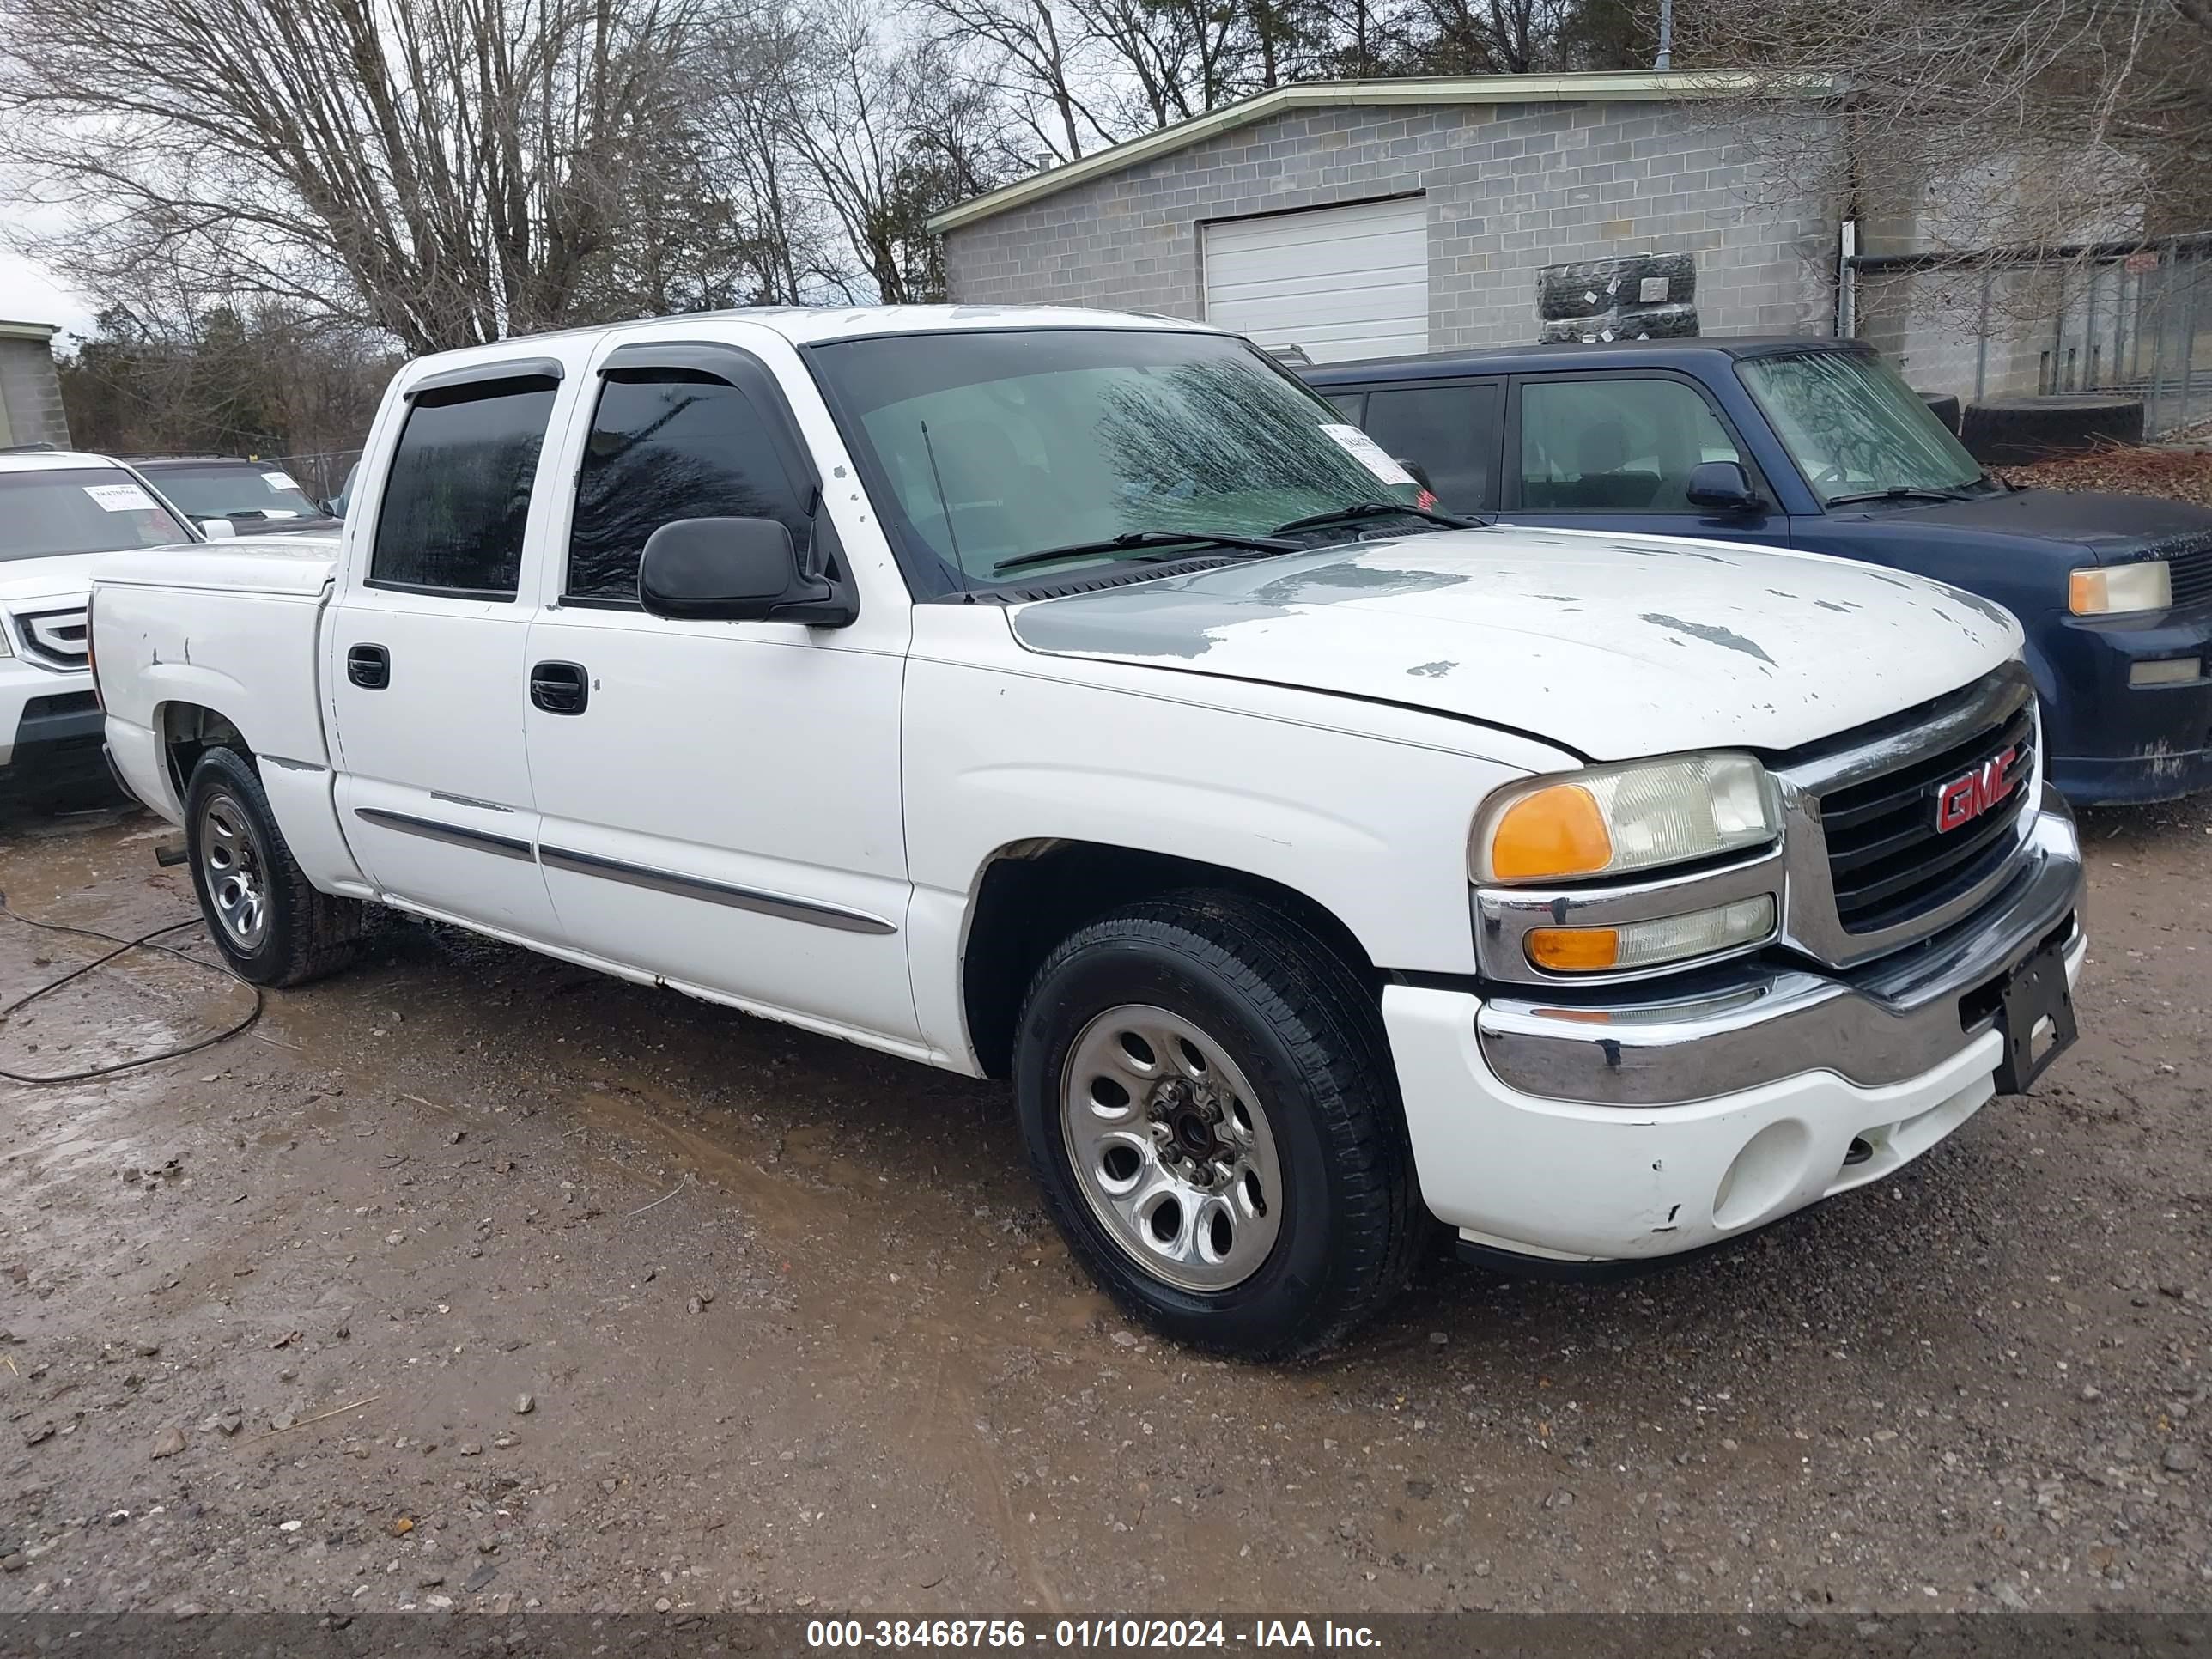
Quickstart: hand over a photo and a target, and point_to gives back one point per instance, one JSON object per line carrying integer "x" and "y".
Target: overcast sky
{"x": 29, "y": 294}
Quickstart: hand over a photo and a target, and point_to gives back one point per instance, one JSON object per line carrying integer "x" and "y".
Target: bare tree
{"x": 1978, "y": 124}
{"x": 451, "y": 171}
{"x": 1044, "y": 55}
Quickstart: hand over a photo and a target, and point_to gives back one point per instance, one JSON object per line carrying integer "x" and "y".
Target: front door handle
{"x": 560, "y": 688}
{"x": 368, "y": 667}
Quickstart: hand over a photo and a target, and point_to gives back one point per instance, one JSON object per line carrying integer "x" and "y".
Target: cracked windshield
{"x": 1001, "y": 446}
{"x": 1857, "y": 432}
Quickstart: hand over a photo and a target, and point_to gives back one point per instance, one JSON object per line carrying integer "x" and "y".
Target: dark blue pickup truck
{"x": 1818, "y": 445}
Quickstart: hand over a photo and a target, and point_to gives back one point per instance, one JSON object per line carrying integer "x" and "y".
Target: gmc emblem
{"x": 1964, "y": 799}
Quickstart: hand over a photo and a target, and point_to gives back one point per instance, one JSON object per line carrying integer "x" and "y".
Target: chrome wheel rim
{"x": 1172, "y": 1147}
{"x": 234, "y": 870}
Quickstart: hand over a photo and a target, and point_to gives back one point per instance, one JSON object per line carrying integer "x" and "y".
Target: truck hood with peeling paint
{"x": 1612, "y": 646}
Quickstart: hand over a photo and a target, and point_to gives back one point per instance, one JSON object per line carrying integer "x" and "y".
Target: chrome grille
{"x": 1890, "y": 861}
{"x": 2192, "y": 574}
{"x": 1869, "y": 871}
{"x": 56, "y": 638}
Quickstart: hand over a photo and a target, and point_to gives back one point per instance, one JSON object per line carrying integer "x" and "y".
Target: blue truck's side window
{"x": 1616, "y": 445}
{"x": 1452, "y": 431}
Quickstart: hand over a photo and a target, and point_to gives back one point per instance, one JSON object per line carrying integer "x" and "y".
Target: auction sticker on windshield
{"x": 1369, "y": 453}
{"x": 279, "y": 481}
{"x": 120, "y": 498}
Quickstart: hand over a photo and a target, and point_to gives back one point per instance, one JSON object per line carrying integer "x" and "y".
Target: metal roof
{"x": 1589, "y": 87}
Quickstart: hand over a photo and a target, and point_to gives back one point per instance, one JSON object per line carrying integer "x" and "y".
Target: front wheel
{"x": 1208, "y": 1103}
{"x": 271, "y": 925}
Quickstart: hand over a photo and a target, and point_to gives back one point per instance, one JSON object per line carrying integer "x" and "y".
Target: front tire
{"x": 271, "y": 925}
{"x": 1208, "y": 1103}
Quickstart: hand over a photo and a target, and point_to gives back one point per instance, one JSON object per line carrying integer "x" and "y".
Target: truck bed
{"x": 229, "y": 626}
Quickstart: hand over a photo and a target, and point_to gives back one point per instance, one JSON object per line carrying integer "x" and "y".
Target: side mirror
{"x": 735, "y": 570}
{"x": 1420, "y": 473}
{"x": 1722, "y": 487}
{"x": 217, "y": 529}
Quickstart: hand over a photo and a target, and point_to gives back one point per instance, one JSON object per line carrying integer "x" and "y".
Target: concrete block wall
{"x": 1509, "y": 189}
{"x": 30, "y": 395}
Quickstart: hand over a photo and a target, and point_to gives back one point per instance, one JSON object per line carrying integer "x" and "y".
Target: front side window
{"x": 1616, "y": 445}
{"x": 998, "y": 445}
{"x": 1855, "y": 430}
{"x": 668, "y": 444}
{"x": 1451, "y": 431}
{"x": 44, "y": 511}
{"x": 458, "y": 493}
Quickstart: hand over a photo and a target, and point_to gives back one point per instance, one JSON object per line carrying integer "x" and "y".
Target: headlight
{"x": 1611, "y": 820}
{"x": 2103, "y": 589}
{"x": 7, "y": 646}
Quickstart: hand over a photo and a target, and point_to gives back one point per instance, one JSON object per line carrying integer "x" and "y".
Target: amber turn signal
{"x": 1558, "y": 831}
{"x": 1574, "y": 950}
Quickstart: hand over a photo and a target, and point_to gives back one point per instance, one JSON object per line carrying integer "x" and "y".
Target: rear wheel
{"x": 272, "y": 926}
{"x": 1208, "y": 1104}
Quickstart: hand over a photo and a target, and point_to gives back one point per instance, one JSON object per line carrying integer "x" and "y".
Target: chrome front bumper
{"x": 1896, "y": 1018}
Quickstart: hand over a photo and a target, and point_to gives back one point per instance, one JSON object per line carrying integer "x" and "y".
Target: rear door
{"x": 720, "y": 801}
{"x": 426, "y": 647}
{"x": 1615, "y": 452}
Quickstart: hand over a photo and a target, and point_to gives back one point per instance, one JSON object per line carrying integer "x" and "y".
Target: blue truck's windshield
{"x": 1856, "y": 430}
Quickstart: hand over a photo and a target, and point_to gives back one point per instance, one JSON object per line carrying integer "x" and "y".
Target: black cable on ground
{"x": 143, "y": 942}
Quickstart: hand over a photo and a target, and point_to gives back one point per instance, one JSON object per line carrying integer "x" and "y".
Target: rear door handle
{"x": 560, "y": 688}
{"x": 368, "y": 667}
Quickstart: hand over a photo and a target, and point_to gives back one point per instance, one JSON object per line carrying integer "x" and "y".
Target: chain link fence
{"x": 320, "y": 473}
{"x": 2134, "y": 318}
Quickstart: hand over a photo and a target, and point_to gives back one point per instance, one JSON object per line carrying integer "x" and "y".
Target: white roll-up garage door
{"x": 1341, "y": 282}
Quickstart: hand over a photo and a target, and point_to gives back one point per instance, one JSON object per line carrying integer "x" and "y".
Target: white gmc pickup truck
{"x": 1070, "y": 697}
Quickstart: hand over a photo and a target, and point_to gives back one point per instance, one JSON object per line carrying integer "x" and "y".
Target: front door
{"x": 719, "y": 801}
{"x": 1615, "y": 452}
{"x": 427, "y": 658}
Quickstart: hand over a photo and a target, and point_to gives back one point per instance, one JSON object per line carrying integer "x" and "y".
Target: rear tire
{"x": 272, "y": 926}
{"x": 1208, "y": 1103}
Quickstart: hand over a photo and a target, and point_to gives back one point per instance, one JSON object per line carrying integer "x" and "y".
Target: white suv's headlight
{"x": 2100, "y": 590}
{"x": 7, "y": 627}
{"x": 1614, "y": 820}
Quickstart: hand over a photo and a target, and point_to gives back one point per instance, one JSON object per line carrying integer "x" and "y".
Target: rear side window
{"x": 668, "y": 444}
{"x": 1452, "y": 432}
{"x": 458, "y": 493}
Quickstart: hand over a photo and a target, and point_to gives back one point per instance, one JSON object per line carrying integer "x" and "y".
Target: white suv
{"x": 58, "y": 509}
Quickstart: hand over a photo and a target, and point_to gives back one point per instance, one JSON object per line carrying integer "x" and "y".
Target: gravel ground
{"x": 470, "y": 1279}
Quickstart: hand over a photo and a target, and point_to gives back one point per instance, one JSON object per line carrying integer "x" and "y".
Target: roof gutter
{"x": 1595, "y": 86}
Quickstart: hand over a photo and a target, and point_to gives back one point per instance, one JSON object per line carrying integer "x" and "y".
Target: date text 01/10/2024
{"x": 1079, "y": 1633}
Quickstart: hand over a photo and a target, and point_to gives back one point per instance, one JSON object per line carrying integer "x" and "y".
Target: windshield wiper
{"x": 1132, "y": 540}
{"x": 1901, "y": 493}
{"x": 1373, "y": 510}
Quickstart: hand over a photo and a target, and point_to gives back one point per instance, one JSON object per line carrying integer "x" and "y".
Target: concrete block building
{"x": 1361, "y": 219}
{"x": 30, "y": 394}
